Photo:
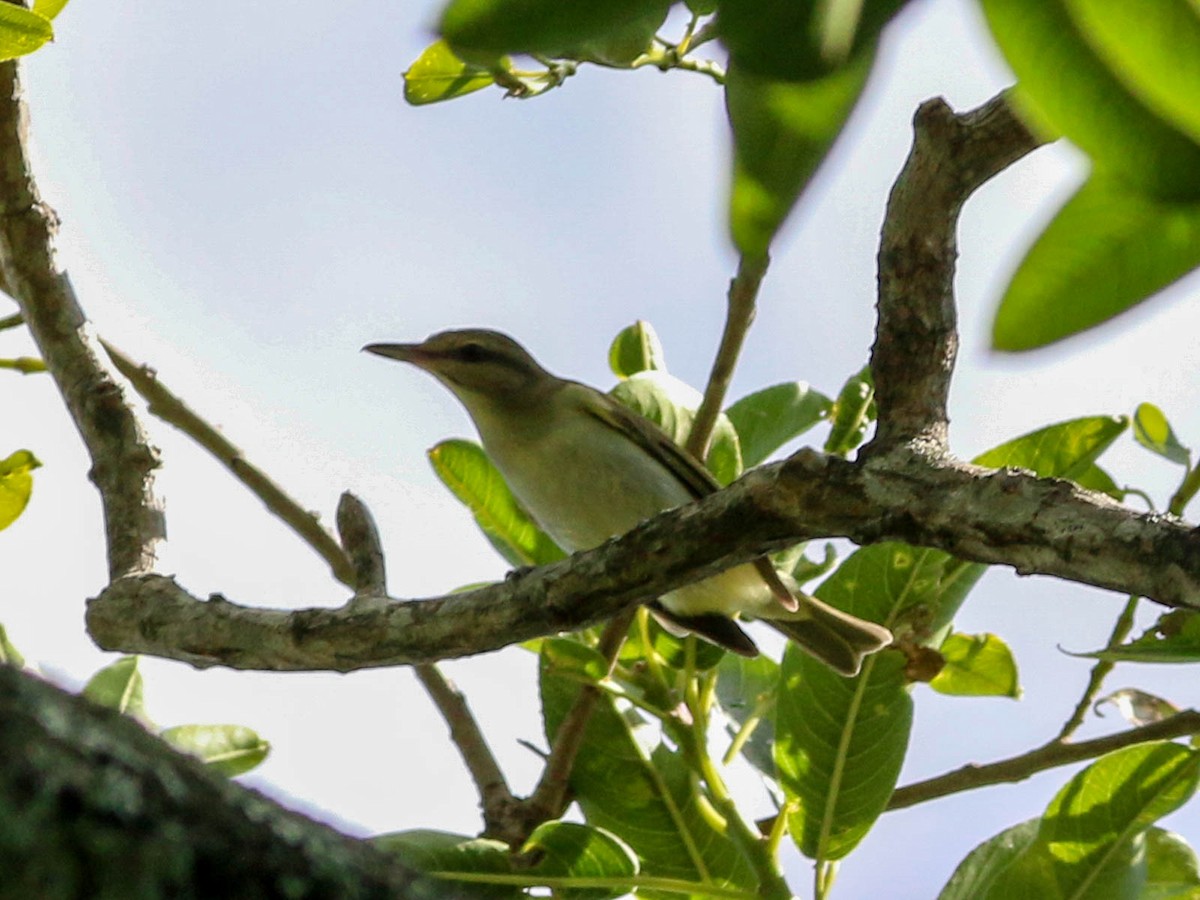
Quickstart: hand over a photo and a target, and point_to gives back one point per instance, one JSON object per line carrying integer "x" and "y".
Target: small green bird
{"x": 588, "y": 469}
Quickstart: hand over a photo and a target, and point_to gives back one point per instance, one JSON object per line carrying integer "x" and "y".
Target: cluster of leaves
{"x": 828, "y": 749}
{"x": 1119, "y": 80}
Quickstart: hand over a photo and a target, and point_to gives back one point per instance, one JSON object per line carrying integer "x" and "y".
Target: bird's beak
{"x": 409, "y": 353}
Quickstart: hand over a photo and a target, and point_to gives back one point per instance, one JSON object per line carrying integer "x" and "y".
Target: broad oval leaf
{"x": 1172, "y": 871}
{"x": 231, "y": 750}
{"x": 16, "y": 485}
{"x": 1100, "y": 811}
{"x": 465, "y": 469}
{"x": 991, "y": 860}
{"x": 781, "y": 133}
{"x": 1153, "y": 49}
{"x": 22, "y": 31}
{"x": 671, "y": 404}
{"x": 437, "y": 75}
{"x": 839, "y": 745}
{"x": 636, "y": 349}
{"x": 1152, "y": 430}
{"x": 1108, "y": 249}
{"x": 609, "y": 30}
{"x": 747, "y": 689}
{"x": 430, "y": 851}
{"x": 977, "y": 665}
{"x": 1064, "y": 87}
{"x": 1062, "y": 450}
{"x": 648, "y": 799}
{"x": 48, "y": 8}
{"x": 798, "y": 41}
{"x": 768, "y": 419}
{"x": 119, "y": 686}
{"x": 570, "y": 850}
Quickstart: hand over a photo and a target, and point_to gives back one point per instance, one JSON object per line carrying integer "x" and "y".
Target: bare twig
{"x": 26, "y": 365}
{"x": 1048, "y": 756}
{"x": 743, "y": 292}
{"x": 168, "y": 407}
{"x": 123, "y": 460}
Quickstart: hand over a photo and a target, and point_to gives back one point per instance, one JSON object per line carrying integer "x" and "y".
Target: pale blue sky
{"x": 247, "y": 200}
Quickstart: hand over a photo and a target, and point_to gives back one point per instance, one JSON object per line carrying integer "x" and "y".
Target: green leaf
{"x": 9, "y": 655}
{"x": 119, "y": 686}
{"x": 22, "y": 31}
{"x": 581, "y": 851}
{"x": 983, "y": 866}
{"x": 1096, "y": 479}
{"x": 1096, "y": 839}
{"x": 852, "y": 414}
{"x": 650, "y": 800}
{"x": 1108, "y": 249}
{"x": 636, "y": 349}
{"x": 671, "y": 404}
{"x": 1174, "y": 639}
{"x": 437, "y": 75}
{"x": 1172, "y": 871}
{"x": 438, "y": 851}
{"x": 571, "y": 658}
{"x": 798, "y": 40}
{"x": 48, "y": 8}
{"x": 465, "y": 469}
{"x": 768, "y": 419}
{"x": 231, "y": 750}
{"x": 1103, "y": 809}
{"x": 1065, "y": 87}
{"x": 1153, "y": 48}
{"x": 16, "y": 485}
{"x": 839, "y": 745}
{"x": 1154, "y": 432}
{"x": 613, "y": 31}
{"x": 746, "y": 690}
{"x": 781, "y": 133}
{"x": 1062, "y": 450}
{"x": 977, "y": 665}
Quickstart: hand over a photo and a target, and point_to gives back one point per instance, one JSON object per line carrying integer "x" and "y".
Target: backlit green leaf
{"x": 119, "y": 686}
{"x": 231, "y": 750}
{"x": 438, "y": 851}
{"x": 1108, "y": 249}
{"x": 437, "y": 74}
{"x": 768, "y": 419}
{"x": 1154, "y": 432}
{"x": 781, "y": 133}
{"x": 636, "y": 349}
{"x": 465, "y": 469}
{"x": 16, "y": 485}
{"x": 22, "y": 31}
{"x": 568, "y": 849}
{"x": 977, "y": 665}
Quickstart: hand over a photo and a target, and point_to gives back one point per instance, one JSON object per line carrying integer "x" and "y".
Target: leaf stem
{"x": 1100, "y": 670}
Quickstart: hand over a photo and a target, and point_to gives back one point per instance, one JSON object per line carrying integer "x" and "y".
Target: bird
{"x": 587, "y": 469}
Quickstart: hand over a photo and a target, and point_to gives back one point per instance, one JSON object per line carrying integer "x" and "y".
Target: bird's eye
{"x": 471, "y": 353}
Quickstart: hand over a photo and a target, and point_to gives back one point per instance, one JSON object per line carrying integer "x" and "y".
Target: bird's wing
{"x": 685, "y": 467}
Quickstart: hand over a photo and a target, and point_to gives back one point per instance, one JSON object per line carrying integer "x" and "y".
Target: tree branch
{"x": 1051, "y": 755}
{"x": 1008, "y": 517}
{"x": 916, "y": 340}
{"x": 112, "y": 811}
{"x": 123, "y": 460}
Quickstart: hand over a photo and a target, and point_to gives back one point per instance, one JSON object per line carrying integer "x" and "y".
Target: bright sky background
{"x": 247, "y": 200}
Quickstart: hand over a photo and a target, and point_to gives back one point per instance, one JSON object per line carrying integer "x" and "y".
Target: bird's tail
{"x": 836, "y": 638}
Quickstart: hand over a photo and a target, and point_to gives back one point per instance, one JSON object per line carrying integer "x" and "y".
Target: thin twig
{"x": 743, "y": 293}
{"x": 1048, "y": 756}
{"x": 168, "y": 407}
{"x": 495, "y": 797}
{"x": 13, "y": 321}
{"x": 26, "y": 365}
{"x": 1100, "y": 670}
